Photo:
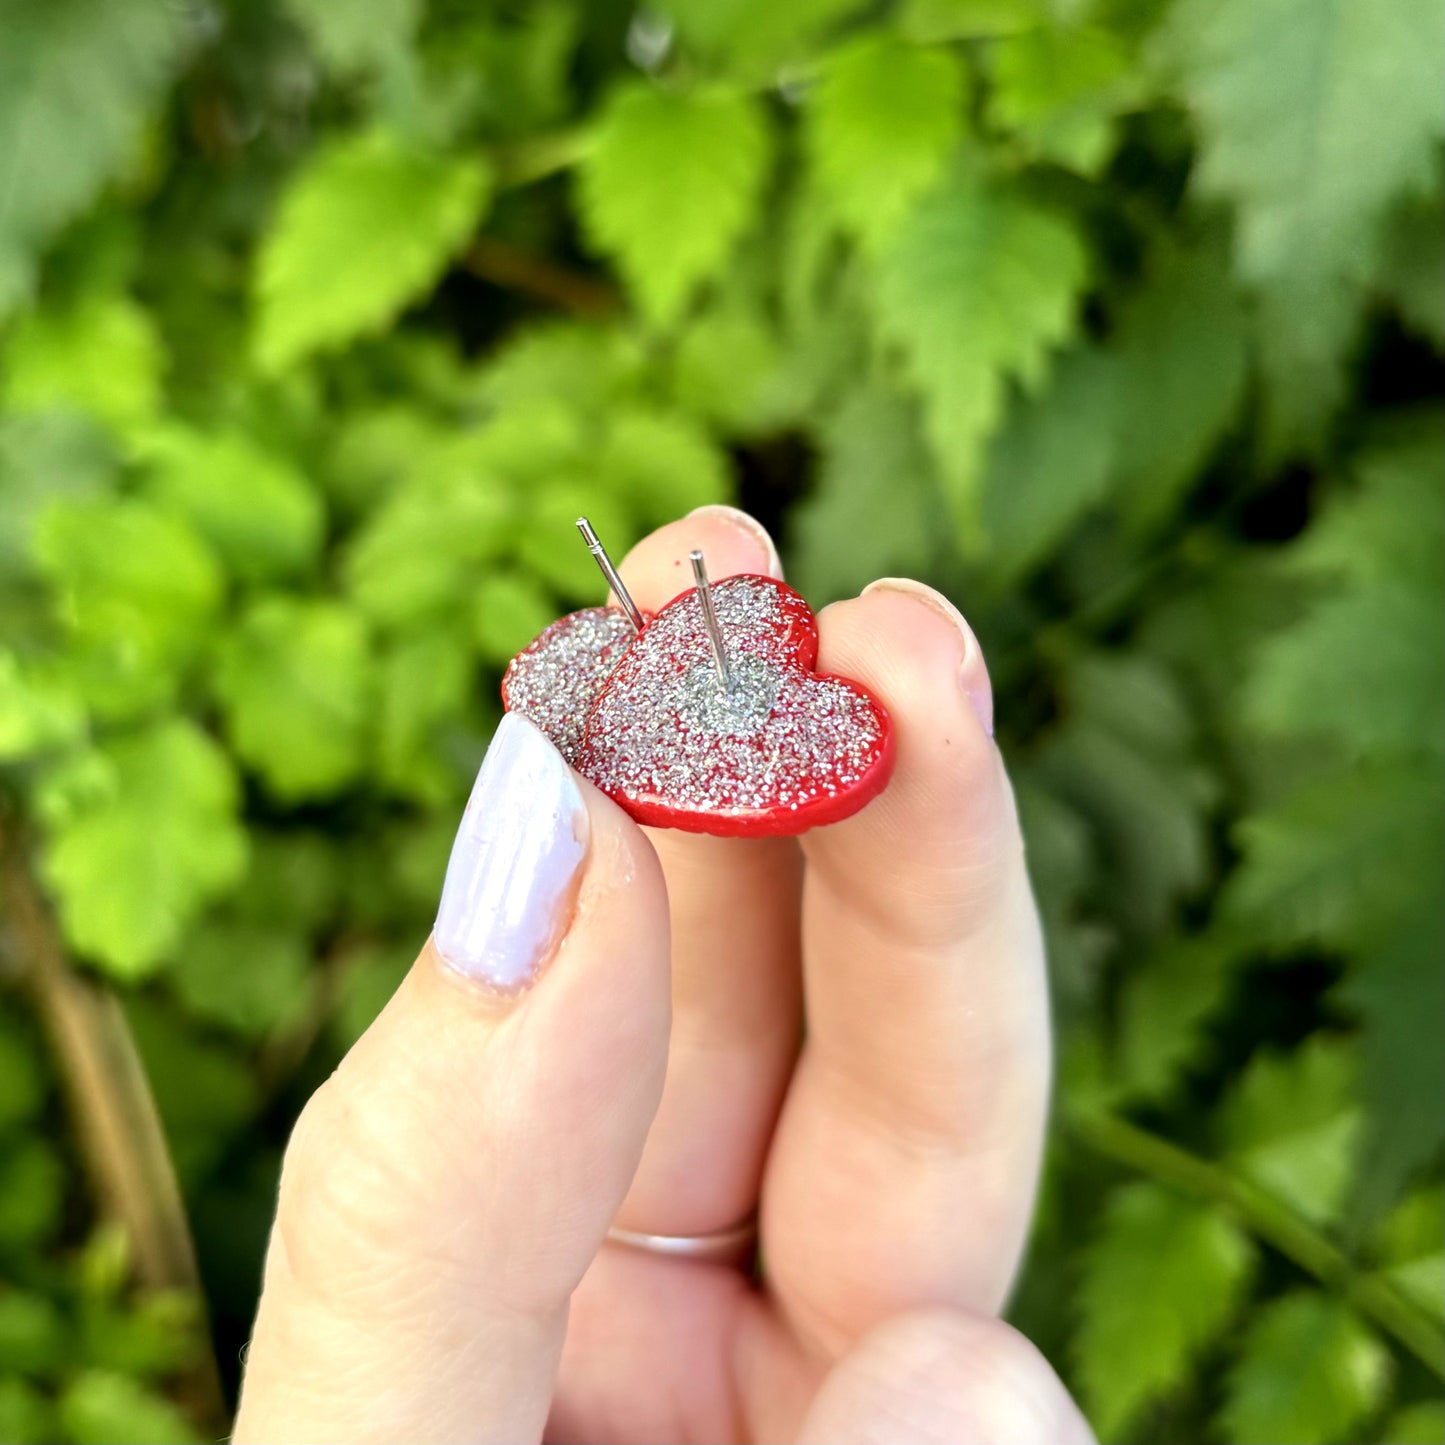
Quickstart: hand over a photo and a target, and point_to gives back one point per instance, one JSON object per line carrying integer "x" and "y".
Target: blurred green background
{"x": 1120, "y": 320}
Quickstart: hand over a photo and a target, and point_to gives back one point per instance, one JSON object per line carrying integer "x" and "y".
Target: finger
{"x": 924, "y": 1085}
{"x": 943, "y": 1378}
{"x": 446, "y": 1189}
{"x": 734, "y": 905}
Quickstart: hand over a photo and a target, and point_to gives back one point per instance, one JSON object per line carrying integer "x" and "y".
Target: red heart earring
{"x": 707, "y": 717}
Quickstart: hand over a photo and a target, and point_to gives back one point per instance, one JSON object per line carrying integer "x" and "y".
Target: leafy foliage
{"x": 1121, "y": 322}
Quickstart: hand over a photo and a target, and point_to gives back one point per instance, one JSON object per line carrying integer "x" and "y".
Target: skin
{"x": 438, "y": 1268}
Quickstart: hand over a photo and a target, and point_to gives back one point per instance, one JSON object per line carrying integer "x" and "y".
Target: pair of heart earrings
{"x": 706, "y": 716}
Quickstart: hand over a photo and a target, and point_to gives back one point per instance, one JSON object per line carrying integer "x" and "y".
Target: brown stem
{"x": 121, "y": 1139}
{"x": 514, "y": 269}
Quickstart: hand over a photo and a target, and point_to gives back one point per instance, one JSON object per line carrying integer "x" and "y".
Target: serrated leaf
{"x": 755, "y": 34}
{"x": 1410, "y": 1247}
{"x": 257, "y": 510}
{"x": 1292, "y": 1123}
{"x": 135, "y": 589}
{"x": 1059, "y": 90}
{"x": 99, "y": 355}
{"x": 1398, "y": 989}
{"x": 423, "y": 683}
{"x": 1367, "y": 663}
{"x": 245, "y": 977}
{"x": 1164, "y": 1010}
{"x": 77, "y": 81}
{"x": 367, "y": 226}
{"x": 416, "y": 554}
{"x": 37, "y": 710}
{"x": 295, "y": 682}
{"x": 1309, "y": 1371}
{"x": 105, "y": 1407}
{"x": 873, "y": 448}
{"x": 976, "y": 290}
{"x": 1420, "y": 1424}
{"x": 661, "y": 465}
{"x": 361, "y": 32}
{"x": 725, "y": 368}
{"x": 1181, "y": 359}
{"x": 1050, "y": 461}
{"x": 881, "y": 125}
{"x": 508, "y": 610}
{"x": 131, "y": 871}
{"x": 590, "y": 365}
{"x": 1161, "y": 1280}
{"x": 669, "y": 187}
{"x": 1316, "y": 116}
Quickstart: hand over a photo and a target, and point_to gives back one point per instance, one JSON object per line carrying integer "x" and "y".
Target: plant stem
{"x": 1273, "y": 1221}
{"x": 122, "y": 1141}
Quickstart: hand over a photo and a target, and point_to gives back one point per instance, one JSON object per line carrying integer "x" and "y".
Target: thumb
{"x": 445, "y": 1190}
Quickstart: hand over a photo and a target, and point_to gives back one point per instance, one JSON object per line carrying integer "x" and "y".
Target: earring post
{"x": 604, "y": 562}
{"x": 710, "y": 620}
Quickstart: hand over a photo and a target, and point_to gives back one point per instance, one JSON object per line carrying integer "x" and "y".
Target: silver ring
{"x": 726, "y": 1246}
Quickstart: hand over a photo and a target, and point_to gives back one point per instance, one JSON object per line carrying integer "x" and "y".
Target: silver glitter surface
{"x": 555, "y": 679}
{"x": 663, "y": 730}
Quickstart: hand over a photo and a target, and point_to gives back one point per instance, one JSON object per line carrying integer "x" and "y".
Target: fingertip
{"x": 657, "y": 569}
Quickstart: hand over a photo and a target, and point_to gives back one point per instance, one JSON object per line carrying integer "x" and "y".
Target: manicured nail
{"x": 516, "y": 856}
{"x": 972, "y": 671}
{"x": 753, "y": 528}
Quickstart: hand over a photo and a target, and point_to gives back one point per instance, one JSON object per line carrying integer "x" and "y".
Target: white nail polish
{"x": 514, "y": 862}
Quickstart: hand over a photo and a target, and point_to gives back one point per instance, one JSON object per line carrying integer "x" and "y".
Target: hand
{"x": 438, "y": 1268}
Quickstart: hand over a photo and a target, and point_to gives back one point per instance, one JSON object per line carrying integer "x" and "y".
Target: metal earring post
{"x": 599, "y": 554}
{"x": 709, "y": 620}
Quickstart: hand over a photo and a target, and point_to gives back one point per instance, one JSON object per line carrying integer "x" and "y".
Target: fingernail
{"x": 516, "y": 856}
{"x": 748, "y": 525}
{"x": 972, "y": 671}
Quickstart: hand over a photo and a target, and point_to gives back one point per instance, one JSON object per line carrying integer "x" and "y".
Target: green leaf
{"x": 1420, "y": 1424}
{"x": 661, "y": 465}
{"x": 423, "y": 683}
{"x": 1412, "y": 265}
{"x": 45, "y": 457}
{"x": 25, "y": 1416}
{"x": 22, "y": 1075}
{"x": 130, "y": 871}
{"x": 1377, "y": 634}
{"x": 1411, "y": 1249}
{"x": 295, "y": 681}
{"x": 978, "y": 287}
{"x": 930, "y": 22}
{"x": 1180, "y": 350}
{"x": 1398, "y": 989}
{"x": 104, "y": 1407}
{"x": 100, "y": 355}
{"x": 361, "y": 33}
{"x": 32, "y": 1333}
{"x": 1161, "y": 1280}
{"x": 258, "y": 512}
{"x": 417, "y": 554}
{"x": 881, "y": 125}
{"x": 508, "y": 610}
{"x": 725, "y": 369}
{"x": 1059, "y": 90}
{"x": 1292, "y": 1123}
{"x": 1049, "y": 463}
{"x": 248, "y": 978}
{"x": 37, "y": 710}
{"x": 1309, "y": 1371}
{"x": 1164, "y": 1011}
{"x": 873, "y": 448}
{"x": 755, "y": 34}
{"x": 669, "y": 187}
{"x": 366, "y": 226}
{"x": 135, "y": 588}
{"x": 78, "y": 79}
{"x": 1317, "y": 115}
{"x": 32, "y": 1187}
